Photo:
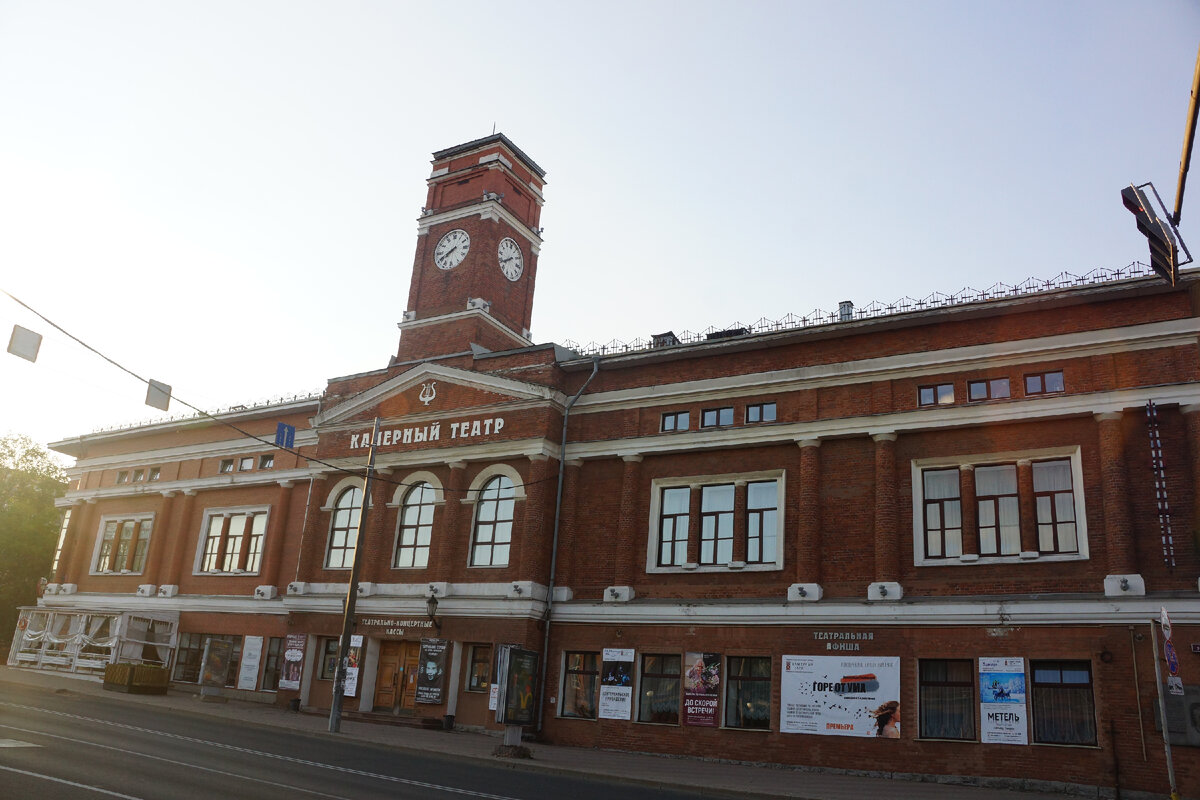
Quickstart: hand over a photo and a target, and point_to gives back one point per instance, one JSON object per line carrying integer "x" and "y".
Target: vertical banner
{"x": 215, "y": 667}
{"x": 701, "y": 689}
{"x": 840, "y": 696}
{"x": 293, "y": 661}
{"x": 616, "y": 684}
{"x": 251, "y": 657}
{"x": 1174, "y": 682}
{"x": 519, "y": 685}
{"x": 353, "y": 655}
{"x": 431, "y": 671}
{"x": 1002, "y": 706}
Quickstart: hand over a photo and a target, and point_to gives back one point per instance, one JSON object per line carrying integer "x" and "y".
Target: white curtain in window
{"x": 941, "y": 484}
{"x": 1052, "y": 476}
{"x": 996, "y": 480}
{"x": 99, "y": 632}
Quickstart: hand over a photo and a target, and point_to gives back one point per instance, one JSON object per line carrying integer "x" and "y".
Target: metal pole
{"x": 1162, "y": 711}
{"x": 339, "y": 683}
{"x": 1189, "y": 134}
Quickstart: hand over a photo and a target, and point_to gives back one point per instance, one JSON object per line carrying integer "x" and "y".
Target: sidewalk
{"x": 705, "y": 778}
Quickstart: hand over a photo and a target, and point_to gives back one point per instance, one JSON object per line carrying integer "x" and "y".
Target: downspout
{"x": 562, "y": 464}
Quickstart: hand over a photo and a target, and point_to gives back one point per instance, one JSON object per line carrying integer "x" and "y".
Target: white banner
{"x": 840, "y": 696}
{"x": 616, "y": 684}
{"x": 1002, "y": 709}
{"x": 251, "y": 657}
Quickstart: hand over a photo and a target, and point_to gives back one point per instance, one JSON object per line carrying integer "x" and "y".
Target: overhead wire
{"x": 268, "y": 442}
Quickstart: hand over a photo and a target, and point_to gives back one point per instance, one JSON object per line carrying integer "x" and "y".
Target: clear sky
{"x": 223, "y": 195}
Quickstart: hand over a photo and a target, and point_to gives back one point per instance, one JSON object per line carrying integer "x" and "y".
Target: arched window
{"x": 493, "y": 523}
{"x": 343, "y": 534}
{"x": 416, "y": 527}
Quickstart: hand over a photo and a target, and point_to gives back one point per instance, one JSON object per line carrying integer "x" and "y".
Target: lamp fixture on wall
{"x": 431, "y": 606}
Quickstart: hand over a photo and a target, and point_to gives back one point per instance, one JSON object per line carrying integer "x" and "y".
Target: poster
{"x": 293, "y": 661}
{"x": 431, "y": 671}
{"x": 251, "y": 657}
{"x": 214, "y": 671}
{"x": 616, "y": 684}
{"x": 840, "y": 696}
{"x": 701, "y": 689}
{"x": 352, "y": 658}
{"x": 1002, "y": 717}
{"x": 519, "y": 687}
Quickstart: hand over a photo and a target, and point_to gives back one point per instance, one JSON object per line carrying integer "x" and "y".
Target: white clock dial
{"x": 512, "y": 262}
{"x": 452, "y": 249}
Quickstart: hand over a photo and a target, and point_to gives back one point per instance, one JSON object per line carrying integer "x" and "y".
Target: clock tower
{"x": 477, "y": 247}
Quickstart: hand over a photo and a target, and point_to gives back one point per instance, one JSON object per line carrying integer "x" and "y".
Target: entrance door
{"x": 388, "y": 675}
{"x": 411, "y": 659}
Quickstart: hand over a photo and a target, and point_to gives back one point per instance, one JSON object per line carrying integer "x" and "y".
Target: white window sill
{"x": 970, "y": 560}
{"x": 733, "y": 566}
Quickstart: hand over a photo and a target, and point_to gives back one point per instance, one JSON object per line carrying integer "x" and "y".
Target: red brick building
{"x": 938, "y": 525}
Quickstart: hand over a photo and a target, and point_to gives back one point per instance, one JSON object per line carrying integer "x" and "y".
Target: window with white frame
{"x": 122, "y": 544}
{"x": 343, "y": 529}
{"x": 1056, "y": 499}
{"x": 701, "y": 513}
{"x": 492, "y": 535}
{"x": 231, "y": 540}
{"x": 415, "y": 530}
{"x": 62, "y": 538}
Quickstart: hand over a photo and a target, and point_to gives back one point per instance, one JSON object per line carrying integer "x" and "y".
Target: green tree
{"x": 30, "y": 479}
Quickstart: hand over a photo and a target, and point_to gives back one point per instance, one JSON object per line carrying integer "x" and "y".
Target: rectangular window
{"x": 762, "y": 506}
{"x": 581, "y": 680}
{"x": 232, "y": 541}
{"x": 266, "y": 462}
{"x": 760, "y": 412}
{"x": 1055, "y": 503}
{"x": 999, "y": 510}
{"x": 139, "y": 475}
{"x": 675, "y": 421}
{"x": 155, "y": 473}
{"x": 62, "y": 538}
{"x": 329, "y": 657}
{"x": 716, "y": 417}
{"x": 1044, "y": 382}
{"x": 123, "y": 545}
{"x": 947, "y": 699}
{"x": 189, "y": 655}
{"x": 246, "y": 463}
{"x": 226, "y": 466}
{"x": 123, "y": 476}
{"x": 716, "y": 524}
{"x": 993, "y": 389}
{"x": 673, "y": 527}
{"x": 748, "y": 692}
{"x": 1062, "y": 707}
{"x": 659, "y": 689}
{"x": 943, "y": 513}
{"x": 272, "y": 663}
{"x": 940, "y": 395}
{"x": 479, "y": 675}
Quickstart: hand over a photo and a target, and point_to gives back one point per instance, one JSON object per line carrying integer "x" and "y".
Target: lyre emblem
{"x": 428, "y": 392}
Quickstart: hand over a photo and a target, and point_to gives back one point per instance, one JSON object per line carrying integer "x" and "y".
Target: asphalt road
{"x": 66, "y": 745}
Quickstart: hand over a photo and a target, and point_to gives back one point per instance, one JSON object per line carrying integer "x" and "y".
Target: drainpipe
{"x": 562, "y": 464}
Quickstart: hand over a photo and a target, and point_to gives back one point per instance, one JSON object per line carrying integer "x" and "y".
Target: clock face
{"x": 512, "y": 263}
{"x": 452, "y": 249}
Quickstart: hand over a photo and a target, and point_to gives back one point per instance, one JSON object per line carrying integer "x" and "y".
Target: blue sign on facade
{"x": 285, "y": 435}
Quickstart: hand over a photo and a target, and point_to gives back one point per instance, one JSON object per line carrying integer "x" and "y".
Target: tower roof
{"x": 486, "y": 140}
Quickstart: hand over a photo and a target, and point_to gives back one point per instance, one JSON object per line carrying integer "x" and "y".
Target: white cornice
{"x": 227, "y": 481}
{"x": 965, "y": 611}
{"x": 484, "y": 209}
{"x": 923, "y": 419}
{"x": 163, "y": 455}
{"x": 422, "y": 373}
{"x": 459, "y": 316}
{"x": 908, "y": 365}
{"x": 1002, "y": 614}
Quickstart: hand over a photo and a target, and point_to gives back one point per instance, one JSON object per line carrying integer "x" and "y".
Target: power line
{"x": 270, "y": 443}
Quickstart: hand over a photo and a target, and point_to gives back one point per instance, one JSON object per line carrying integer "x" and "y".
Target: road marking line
{"x": 70, "y": 783}
{"x": 16, "y": 743}
{"x": 140, "y": 754}
{"x": 262, "y": 753}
